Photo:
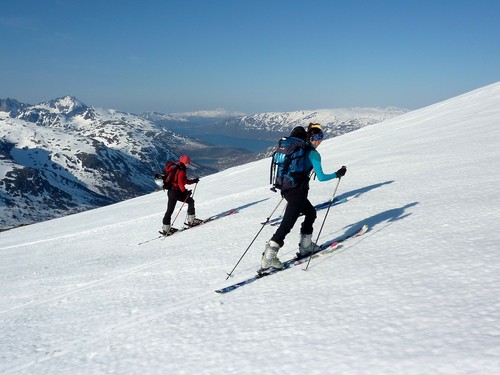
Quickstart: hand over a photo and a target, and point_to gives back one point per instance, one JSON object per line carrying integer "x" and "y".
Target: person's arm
{"x": 315, "y": 159}
{"x": 193, "y": 181}
{"x": 181, "y": 179}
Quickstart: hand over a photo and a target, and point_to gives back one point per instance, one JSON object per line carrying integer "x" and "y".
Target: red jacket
{"x": 180, "y": 181}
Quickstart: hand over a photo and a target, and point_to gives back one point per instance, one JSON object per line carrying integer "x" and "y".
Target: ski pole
{"x": 263, "y": 225}
{"x": 195, "y": 186}
{"x": 283, "y": 211}
{"x": 192, "y": 195}
{"x": 183, "y": 203}
{"x": 326, "y": 215}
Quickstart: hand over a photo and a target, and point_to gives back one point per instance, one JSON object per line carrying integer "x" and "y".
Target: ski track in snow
{"x": 94, "y": 343}
{"x": 417, "y": 294}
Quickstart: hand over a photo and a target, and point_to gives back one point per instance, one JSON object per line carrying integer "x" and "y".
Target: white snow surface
{"x": 417, "y": 294}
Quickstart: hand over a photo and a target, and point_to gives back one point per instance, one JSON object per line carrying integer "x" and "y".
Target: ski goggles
{"x": 316, "y": 137}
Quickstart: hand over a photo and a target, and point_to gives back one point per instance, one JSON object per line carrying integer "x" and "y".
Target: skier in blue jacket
{"x": 298, "y": 202}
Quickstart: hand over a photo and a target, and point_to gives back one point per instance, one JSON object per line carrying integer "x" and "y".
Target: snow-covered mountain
{"x": 62, "y": 157}
{"x": 267, "y": 127}
{"x": 416, "y": 295}
{"x": 272, "y": 125}
{"x": 197, "y": 116}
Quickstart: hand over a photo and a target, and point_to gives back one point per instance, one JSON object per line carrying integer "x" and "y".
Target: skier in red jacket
{"x": 178, "y": 192}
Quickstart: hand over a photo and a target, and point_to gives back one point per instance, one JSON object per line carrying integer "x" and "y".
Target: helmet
{"x": 184, "y": 159}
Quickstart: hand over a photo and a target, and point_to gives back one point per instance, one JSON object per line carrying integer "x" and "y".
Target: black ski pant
{"x": 175, "y": 195}
{"x": 297, "y": 204}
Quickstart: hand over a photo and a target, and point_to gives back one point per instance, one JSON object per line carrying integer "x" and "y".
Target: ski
{"x": 199, "y": 222}
{"x": 325, "y": 248}
{"x": 318, "y": 207}
{"x": 173, "y": 230}
{"x": 335, "y": 244}
{"x": 260, "y": 274}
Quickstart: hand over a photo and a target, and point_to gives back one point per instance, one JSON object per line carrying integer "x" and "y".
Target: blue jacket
{"x": 315, "y": 160}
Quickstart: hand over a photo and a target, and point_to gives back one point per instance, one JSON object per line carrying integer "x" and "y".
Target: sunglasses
{"x": 316, "y": 137}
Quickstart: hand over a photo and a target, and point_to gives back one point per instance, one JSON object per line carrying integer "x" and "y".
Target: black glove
{"x": 341, "y": 172}
{"x": 196, "y": 180}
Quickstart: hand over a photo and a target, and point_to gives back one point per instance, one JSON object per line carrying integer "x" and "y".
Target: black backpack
{"x": 289, "y": 167}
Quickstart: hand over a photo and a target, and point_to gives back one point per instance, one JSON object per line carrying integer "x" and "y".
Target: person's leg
{"x": 295, "y": 202}
{"x": 310, "y": 217}
{"x": 172, "y": 200}
{"x": 306, "y": 245}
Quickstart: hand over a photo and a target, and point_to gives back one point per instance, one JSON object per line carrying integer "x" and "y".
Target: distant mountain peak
{"x": 66, "y": 105}
{"x": 11, "y": 106}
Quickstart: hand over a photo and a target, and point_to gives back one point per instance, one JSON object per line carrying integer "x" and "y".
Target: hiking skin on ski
{"x": 326, "y": 248}
{"x": 200, "y": 222}
{"x": 210, "y": 219}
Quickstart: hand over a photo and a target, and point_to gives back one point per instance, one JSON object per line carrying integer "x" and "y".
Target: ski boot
{"x": 165, "y": 230}
{"x": 270, "y": 257}
{"x": 307, "y": 246}
{"x": 192, "y": 221}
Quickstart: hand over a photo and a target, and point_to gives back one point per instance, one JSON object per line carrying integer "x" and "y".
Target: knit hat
{"x": 184, "y": 159}
{"x": 299, "y": 132}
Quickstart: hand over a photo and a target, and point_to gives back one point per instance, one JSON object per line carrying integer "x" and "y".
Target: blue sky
{"x": 248, "y": 56}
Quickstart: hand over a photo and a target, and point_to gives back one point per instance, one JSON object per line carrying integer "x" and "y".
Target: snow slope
{"x": 417, "y": 294}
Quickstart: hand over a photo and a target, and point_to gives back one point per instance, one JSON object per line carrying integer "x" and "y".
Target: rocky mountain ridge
{"x": 61, "y": 157}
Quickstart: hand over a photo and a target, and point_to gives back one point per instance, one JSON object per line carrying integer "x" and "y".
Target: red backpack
{"x": 169, "y": 175}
